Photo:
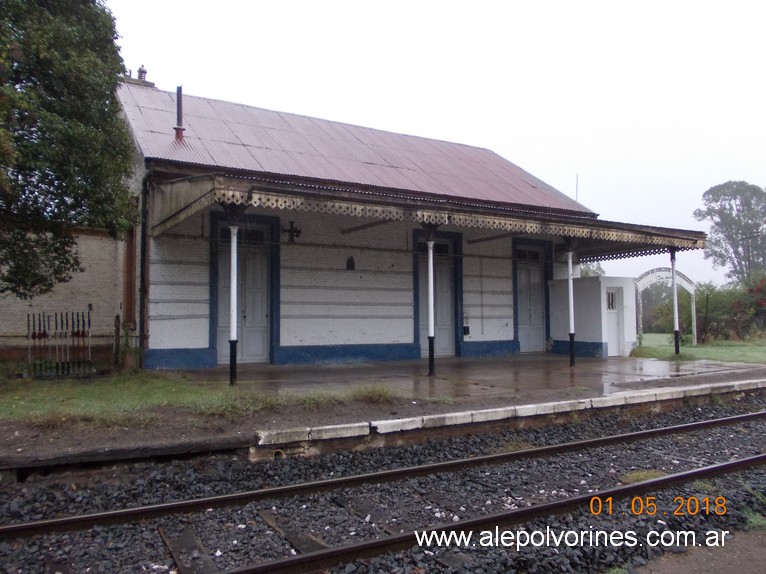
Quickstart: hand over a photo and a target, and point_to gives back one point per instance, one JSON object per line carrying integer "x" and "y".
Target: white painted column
{"x": 570, "y": 287}
{"x": 694, "y": 319}
{"x": 431, "y": 307}
{"x": 233, "y": 310}
{"x": 233, "y": 285}
{"x": 674, "y": 286}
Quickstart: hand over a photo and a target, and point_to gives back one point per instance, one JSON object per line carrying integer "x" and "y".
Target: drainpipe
{"x": 676, "y": 331}
{"x": 233, "y": 307}
{"x": 570, "y": 287}
{"x": 143, "y": 258}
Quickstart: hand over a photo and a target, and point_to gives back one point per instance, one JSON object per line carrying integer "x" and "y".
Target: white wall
{"x": 323, "y": 303}
{"x": 628, "y": 300}
{"x": 590, "y": 309}
{"x": 179, "y": 292}
{"x": 487, "y": 289}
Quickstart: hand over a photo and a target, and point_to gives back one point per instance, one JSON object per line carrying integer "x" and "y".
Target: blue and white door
{"x": 531, "y": 307}
{"x": 444, "y": 302}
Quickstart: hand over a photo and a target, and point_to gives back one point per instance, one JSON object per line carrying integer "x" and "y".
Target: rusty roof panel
{"x": 303, "y": 125}
{"x": 190, "y": 150}
{"x": 337, "y": 131}
{"x": 393, "y": 175}
{"x": 396, "y": 158}
{"x": 291, "y": 141}
{"x": 315, "y": 166}
{"x": 212, "y": 129}
{"x": 230, "y": 112}
{"x": 332, "y": 149}
{"x": 150, "y": 120}
{"x": 198, "y": 107}
{"x": 363, "y": 153}
{"x": 252, "y": 135}
{"x": 235, "y": 156}
{"x": 277, "y": 161}
{"x": 229, "y": 135}
{"x": 268, "y": 119}
{"x": 151, "y": 98}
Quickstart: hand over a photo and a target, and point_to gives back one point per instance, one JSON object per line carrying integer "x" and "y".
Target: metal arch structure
{"x": 666, "y": 274}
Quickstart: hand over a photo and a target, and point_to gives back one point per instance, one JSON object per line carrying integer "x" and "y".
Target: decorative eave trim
{"x": 178, "y": 200}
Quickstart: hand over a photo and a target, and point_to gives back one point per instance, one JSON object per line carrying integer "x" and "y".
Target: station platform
{"x": 464, "y": 395}
{"x": 470, "y": 391}
{"x": 525, "y": 378}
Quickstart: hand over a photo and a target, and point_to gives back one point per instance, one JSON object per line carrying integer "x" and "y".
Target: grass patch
{"x": 616, "y": 570}
{"x": 64, "y": 420}
{"x": 139, "y": 397}
{"x": 10, "y": 370}
{"x": 759, "y": 496}
{"x": 318, "y": 400}
{"x": 640, "y": 476}
{"x": 660, "y": 346}
{"x": 754, "y": 520}
{"x": 136, "y": 398}
{"x": 374, "y": 395}
{"x": 230, "y": 403}
{"x": 704, "y": 486}
{"x": 514, "y": 445}
{"x": 442, "y": 400}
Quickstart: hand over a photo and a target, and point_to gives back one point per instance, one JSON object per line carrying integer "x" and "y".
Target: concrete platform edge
{"x": 273, "y": 438}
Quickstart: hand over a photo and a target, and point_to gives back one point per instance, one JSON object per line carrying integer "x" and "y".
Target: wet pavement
{"x": 519, "y": 375}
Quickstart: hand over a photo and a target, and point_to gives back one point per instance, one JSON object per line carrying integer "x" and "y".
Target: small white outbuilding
{"x": 605, "y": 316}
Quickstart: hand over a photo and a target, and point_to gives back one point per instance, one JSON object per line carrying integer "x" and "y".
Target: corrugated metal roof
{"x": 229, "y": 135}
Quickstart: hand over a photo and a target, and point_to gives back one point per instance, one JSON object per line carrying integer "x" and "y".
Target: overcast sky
{"x": 646, "y": 104}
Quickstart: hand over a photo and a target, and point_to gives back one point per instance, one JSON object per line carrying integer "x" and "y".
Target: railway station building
{"x": 309, "y": 241}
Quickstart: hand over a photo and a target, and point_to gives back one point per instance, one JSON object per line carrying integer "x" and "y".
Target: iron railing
{"x": 59, "y": 343}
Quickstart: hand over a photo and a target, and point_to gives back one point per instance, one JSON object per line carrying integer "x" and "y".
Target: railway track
{"x": 450, "y": 489}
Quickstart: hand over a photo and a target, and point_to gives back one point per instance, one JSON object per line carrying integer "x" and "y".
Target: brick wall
{"x": 99, "y": 285}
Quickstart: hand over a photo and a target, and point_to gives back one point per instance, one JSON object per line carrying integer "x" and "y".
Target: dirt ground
{"x": 21, "y": 442}
{"x": 742, "y": 554}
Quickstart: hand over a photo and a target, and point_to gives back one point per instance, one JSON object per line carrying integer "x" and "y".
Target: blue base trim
{"x": 313, "y": 354}
{"x": 582, "y": 349}
{"x": 489, "y": 348}
{"x": 180, "y": 359}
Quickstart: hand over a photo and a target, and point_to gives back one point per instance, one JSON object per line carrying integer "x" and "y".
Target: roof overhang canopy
{"x": 592, "y": 239}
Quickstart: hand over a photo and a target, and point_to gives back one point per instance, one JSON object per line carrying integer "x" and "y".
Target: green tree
{"x": 592, "y": 270}
{"x": 728, "y": 311}
{"x": 64, "y": 150}
{"x": 654, "y": 299}
{"x": 737, "y": 212}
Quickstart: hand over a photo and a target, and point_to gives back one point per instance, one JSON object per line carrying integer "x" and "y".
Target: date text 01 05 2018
{"x": 647, "y": 506}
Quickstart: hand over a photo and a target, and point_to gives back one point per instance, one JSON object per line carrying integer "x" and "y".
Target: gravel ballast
{"x": 230, "y": 536}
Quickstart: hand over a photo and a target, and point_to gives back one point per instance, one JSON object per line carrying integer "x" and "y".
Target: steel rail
{"x": 85, "y": 521}
{"x": 331, "y": 557}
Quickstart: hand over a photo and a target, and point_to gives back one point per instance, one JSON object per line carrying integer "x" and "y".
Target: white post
{"x": 431, "y": 312}
{"x": 676, "y": 333}
{"x": 570, "y": 286}
{"x": 694, "y": 319}
{"x": 233, "y": 307}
